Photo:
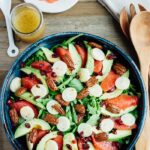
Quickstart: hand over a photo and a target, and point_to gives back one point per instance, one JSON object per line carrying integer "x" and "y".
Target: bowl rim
{"x": 96, "y": 37}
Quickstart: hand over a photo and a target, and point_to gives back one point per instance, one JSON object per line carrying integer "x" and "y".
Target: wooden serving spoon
{"x": 140, "y": 36}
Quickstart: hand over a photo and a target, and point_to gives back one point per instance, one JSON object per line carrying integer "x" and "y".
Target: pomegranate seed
{"x": 10, "y": 102}
{"x": 22, "y": 64}
{"x": 27, "y": 125}
{"x": 85, "y": 146}
{"x": 111, "y": 56}
{"x": 53, "y": 74}
{"x": 59, "y": 133}
{"x": 42, "y": 72}
{"x": 119, "y": 121}
{"x": 54, "y": 55}
{"x": 73, "y": 141}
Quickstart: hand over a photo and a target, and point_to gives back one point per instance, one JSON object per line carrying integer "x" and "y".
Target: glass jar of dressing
{"x": 27, "y": 22}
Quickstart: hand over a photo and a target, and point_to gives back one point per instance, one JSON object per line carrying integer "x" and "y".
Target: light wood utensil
{"x": 140, "y": 36}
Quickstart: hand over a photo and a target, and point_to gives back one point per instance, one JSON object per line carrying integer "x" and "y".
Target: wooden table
{"x": 87, "y": 16}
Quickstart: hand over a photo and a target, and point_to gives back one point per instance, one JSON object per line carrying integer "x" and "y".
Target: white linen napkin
{"x": 115, "y": 6}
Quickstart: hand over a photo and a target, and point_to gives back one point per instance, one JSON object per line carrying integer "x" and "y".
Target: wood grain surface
{"x": 87, "y": 16}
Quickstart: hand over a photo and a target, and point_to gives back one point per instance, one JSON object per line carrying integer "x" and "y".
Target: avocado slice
{"x": 75, "y": 83}
{"x": 107, "y": 64}
{"x": 33, "y": 123}
{"x": 43, "y": 141}
{"x": 48, "y": 54}
{"x": 68, "y": 138}
{"x": 90, "y": 60}
{"x": 75, "y": 57}
{"x": 30, "y": 98}
{"x": 36, "y": 72}
{"x": 120, "y": 134}
{"x": 108, "y": 113}
{"x": 113, "y": 94}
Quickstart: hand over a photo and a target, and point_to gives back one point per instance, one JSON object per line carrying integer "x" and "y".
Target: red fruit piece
{"x": 59, "y": 141}
{"x": 109, "y": 82}
{"x": 29, "y": 82}
{"x": 82, "y": 53}
{"x": 98, "y": 65}
{"x": 41, "y": 133}
{"x": 19, "y": 104}
{"x": 41, "y": 65}
{"x": 123, "y": 101}
{"x": 104, "y": 145}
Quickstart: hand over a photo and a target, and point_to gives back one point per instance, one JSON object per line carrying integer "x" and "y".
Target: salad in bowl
{"x": 77, "y": 95}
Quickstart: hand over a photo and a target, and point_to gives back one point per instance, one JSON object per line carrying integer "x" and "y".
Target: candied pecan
{"x": 51, "y": 83}
{"x": 59, "y": 109}
{"x": 33, "y": 135}
{"x": 80, "y": 108}
{"x": 112, "y": 108}
{"x": 101, "y": 137}
{"x": 92, "y": 81}
{"x": 80, "y": 117}
{"x": 95, "y": 45}
{"x": 68, "y": 60}
{"x": 119, "y": 68}
{"x": 14, "y": 116}
{"x": 59, "y": 99}
{"x": 83, "y": 93}
{"x": 20, "y": 91}
{"x": 51, "y": 119}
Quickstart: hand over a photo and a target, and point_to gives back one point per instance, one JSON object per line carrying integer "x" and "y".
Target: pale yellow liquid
{"x": 27, "y": 20}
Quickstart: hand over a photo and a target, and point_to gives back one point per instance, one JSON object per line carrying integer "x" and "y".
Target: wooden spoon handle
{"x": 144, "y": 142}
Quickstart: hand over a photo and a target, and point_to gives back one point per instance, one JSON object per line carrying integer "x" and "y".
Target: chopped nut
{"x": 51, "y": 83}
{"x": 33, "y": 135}
{"x": 68, "y": 60}
{"x": 14, "y": 116}
{"x": 80, "y": 117}
{"x": 83, "y": 93}
{"x": 112, "y": 108}
{"x": 59, "y": 99}
{"x": 101, "y": 137}
{"x": 59, "y": 109}
{"x": 92, "y": 81}
{"x": 51, "y": 119}
{"x": 119, "y": 68}
{"x": 80, "y": 108}
{"x": 20, "y": 91}
{"x": 95, "y": 45}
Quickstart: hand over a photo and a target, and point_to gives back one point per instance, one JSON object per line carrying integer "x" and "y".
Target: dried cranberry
{"x": 69, "y": 147}
{"x": 53, "y": 74}
{"x": 32, "y": 75}
{"x": 114, "y": 131}
{"x": 81, "y": 134}
{"x": 27, "y": 125}
{"x": 22, "y": 64}
{"x": 36, "y": 97}
{"x": 111, "y": 56}
{"x": 85, "y": 146}
{"x": 54, "y": 55}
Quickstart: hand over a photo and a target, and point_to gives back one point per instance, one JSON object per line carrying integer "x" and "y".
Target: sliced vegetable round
{"x": 85, "y": 129}
{"x": 60, "y": 68}
{"x": 122, "y": 83}
{"x": 107, "y": 125}
{"x": 50, "y": 108}
{"x": 84, "y": 74}
{"x": 63, "y": 124}
{"x": 69, "y": 94}
{"x": 39, "y": 90}
{"x": 128, "y": 119}
{"x": 15, "y": 84}
{"x": 95, "y": 90}
{"x": 98, "y": 54}
{"x": 51, "y": 144}
{"x": 27, "y": 113}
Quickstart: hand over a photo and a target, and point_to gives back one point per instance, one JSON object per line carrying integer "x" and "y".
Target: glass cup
{"x": 27, "y": 22}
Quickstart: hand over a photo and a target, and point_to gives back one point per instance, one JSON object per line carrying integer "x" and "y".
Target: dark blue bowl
{"x": 50, "y": 41}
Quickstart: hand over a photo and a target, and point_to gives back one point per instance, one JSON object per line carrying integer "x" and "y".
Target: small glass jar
{"x": 27, "y": 22}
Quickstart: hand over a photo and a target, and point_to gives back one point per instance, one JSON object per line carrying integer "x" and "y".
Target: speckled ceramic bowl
{"x": 54, "y": 39}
